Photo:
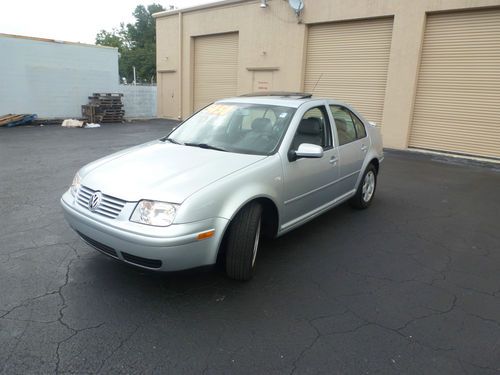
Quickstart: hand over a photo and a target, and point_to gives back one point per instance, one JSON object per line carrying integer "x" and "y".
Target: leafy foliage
{"x": 136, "y": 44}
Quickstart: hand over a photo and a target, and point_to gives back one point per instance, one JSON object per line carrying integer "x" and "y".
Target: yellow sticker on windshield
{"x": 219, "y": 109}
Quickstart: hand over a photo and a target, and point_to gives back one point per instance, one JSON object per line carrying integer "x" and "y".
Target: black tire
{"x": 359, "y": 201}
{"x": 243, "y": 233}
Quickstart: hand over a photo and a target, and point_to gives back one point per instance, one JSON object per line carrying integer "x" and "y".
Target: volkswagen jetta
{"x": 236, "y": 170}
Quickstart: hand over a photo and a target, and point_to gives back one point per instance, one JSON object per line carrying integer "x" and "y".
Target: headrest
{"x": 261, "y": 124}
{"x": 310, "y": 126}
{"x": 341, "y": 124}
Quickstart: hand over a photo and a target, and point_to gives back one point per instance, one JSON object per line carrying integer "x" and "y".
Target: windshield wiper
{"x": 204, "y": 145}
{"x": 171, "y": 140}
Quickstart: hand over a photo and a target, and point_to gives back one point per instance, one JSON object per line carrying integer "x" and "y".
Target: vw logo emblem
{"x": 95, "y": 201}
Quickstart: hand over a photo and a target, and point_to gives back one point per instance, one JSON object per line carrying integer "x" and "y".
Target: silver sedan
{"x": 238, "y": 169}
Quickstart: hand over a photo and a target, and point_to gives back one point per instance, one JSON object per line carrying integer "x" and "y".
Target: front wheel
{"x": 366, "y": 189}
{"x": 243, "y": 242}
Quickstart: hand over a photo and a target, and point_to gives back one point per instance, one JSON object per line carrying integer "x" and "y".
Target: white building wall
{"x": 139, "y": 101}
{"x": 53, "y": 79}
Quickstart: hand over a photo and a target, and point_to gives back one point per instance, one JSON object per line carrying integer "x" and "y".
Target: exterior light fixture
{"x": 263, "y": 3}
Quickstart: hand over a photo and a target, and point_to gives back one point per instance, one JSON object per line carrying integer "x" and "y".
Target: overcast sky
{"x": 72, "y": 20}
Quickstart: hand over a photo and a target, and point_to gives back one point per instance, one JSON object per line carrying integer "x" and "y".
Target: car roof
{"x": 281, "y": 98}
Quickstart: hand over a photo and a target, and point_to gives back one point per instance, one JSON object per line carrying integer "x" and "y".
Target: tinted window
{"x": 314, "y": 128}
{"x": 344, "y": 125}
{"x": 360, "y": 128}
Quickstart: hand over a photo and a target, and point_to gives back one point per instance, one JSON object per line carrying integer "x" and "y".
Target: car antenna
{"x": 321, "y": 75}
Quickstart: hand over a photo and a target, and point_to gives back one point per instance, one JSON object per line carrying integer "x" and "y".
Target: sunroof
{"x": 283, "y": 94}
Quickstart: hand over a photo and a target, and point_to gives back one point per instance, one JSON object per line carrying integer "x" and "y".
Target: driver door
{"x": 310, "y": 183}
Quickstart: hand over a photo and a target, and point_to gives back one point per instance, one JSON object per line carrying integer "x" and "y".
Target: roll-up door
{"x": 215, "y": 68}
{"x": 348, "y": 61}
{"x": 457, "y": 104}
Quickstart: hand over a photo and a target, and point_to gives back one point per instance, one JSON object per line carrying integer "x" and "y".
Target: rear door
{"x": 353, "y": 144}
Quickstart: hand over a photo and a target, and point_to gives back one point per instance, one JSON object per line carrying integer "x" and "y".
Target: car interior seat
{"x": 260, "y": 137}
{"x": 342, "y": 131}
{"x": 262, "y": 125}
{"x": 309, "y": 131}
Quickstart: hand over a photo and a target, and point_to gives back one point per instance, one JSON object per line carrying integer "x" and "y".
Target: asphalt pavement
{"x": 409, "y": 286}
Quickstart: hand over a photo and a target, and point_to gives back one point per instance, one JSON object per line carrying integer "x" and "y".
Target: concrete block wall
{"x": 53, "y": 79}
{"x": 139, "y": 101}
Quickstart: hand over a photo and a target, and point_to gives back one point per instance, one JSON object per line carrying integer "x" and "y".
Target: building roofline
{"x": 37, "y": 39}
{"x": 214, "y": 4}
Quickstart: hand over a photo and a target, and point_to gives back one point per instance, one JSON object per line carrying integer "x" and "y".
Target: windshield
{"x": 235, "y": 127}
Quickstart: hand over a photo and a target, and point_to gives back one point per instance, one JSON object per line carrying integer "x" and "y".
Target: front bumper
{"x": 171, "y": 248}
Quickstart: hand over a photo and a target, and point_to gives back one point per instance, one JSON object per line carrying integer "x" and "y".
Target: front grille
{"x": 150, "y": 263}
{"x": 109, "y": 207}
{"x": 99, "y": 246}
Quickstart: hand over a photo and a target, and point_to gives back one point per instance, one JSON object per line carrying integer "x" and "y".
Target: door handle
{"x": 364, "y": 148}
{"x": 333, "y": 160}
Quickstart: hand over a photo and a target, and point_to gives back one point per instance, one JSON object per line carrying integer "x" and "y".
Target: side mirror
{"x": 372, "y": 123}
{"x": 307, "y": 150}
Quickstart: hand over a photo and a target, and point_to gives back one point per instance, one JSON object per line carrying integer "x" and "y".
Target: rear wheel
{"x": 366, "y": 189}
{"x": 243, "y": 242}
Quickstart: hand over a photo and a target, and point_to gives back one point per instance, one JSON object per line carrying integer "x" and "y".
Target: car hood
{"x": 161, "y": 171}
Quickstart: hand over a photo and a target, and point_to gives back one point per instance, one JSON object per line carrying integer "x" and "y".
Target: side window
{"x": 344, "y": 125}
{"x": 314, "y": 128}
{"x": 360, "y": 128}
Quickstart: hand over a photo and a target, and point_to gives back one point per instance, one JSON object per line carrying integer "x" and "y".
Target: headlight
{"x": 75, "y": 185}
{"x": 160, "y": 214}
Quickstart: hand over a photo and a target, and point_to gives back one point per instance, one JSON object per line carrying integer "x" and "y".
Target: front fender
{"x": 225, "y": 197}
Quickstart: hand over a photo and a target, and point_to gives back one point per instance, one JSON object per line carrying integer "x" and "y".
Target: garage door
{"x": 457, "y": 105}
{"x": 215, "y": 68}
{"x": 349, "y": 62}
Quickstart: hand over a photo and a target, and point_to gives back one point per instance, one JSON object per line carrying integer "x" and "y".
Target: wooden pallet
{"x": 104, "y": 107}
{"x": 7, "y": 119}
{"x": 112, "y": 94}
{"x": 14, "y": 120}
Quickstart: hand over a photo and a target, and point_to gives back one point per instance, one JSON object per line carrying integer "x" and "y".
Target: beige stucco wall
{"x": 271, "y": 37}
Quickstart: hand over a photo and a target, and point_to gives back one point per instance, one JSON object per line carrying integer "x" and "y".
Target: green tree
{"x": 117, "y": 37}
{"x": 136, "y": 44}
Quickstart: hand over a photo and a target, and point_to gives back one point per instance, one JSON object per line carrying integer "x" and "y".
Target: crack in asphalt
{"x": 306, "y": 348}
{"x": 18, "y": 341}
{"x": 73, "y": 334}
{"x": 60, "y": 319}
{"x": 496, "y": 322}
{"x": 430, "y": 260}
{"x": 26, "y": 302}
{"x": 398, "y": 330}
{"x": 318, "y": 335}
{"x": 64, "y": 305}
{"x": 474, "y": 290}
{"x": 120, "y": 345}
